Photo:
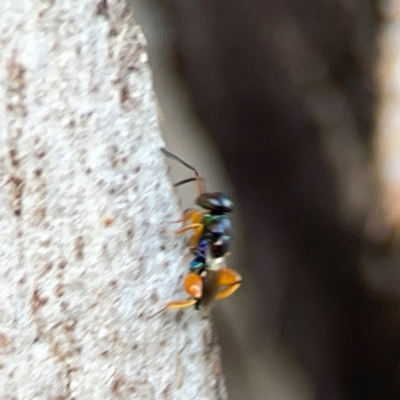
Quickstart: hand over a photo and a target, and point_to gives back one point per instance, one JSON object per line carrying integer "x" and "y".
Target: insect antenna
{"x": 182, "y": 182}
{"x": 196, "y": 178}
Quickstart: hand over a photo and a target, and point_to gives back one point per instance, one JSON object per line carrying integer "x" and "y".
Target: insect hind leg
{"x": 230, "y": 278}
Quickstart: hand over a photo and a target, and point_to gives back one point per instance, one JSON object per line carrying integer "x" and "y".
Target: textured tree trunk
{"x": 87, "y": 253}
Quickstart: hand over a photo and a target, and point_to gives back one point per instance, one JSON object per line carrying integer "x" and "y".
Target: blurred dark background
{"x": 285, "y": 91}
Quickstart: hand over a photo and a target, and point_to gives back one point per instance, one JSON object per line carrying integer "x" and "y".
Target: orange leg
{"x": 197, "y": 216}
{"x": 194, "y": 240}
{"x": 198, "y": 228}
{"x": 228, "y": 277}
{"x": 175, "y": 304}
{"x": 194, "y": 215}
{"x": 193, "y": 285}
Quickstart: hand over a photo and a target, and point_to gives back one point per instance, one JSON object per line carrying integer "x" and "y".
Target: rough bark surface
{"x": 87, "y": 252}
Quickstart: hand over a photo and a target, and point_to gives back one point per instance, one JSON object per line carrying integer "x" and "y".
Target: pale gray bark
{"x": 87, "y": 250}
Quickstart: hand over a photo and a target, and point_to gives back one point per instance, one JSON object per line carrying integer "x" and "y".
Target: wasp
{"x": 208, "y": 278}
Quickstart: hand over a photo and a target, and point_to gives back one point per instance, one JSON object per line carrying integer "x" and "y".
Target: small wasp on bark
{"x": 208, "y": 278}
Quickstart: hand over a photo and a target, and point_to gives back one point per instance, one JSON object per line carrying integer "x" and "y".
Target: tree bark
{"x": 87, "y": 251}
